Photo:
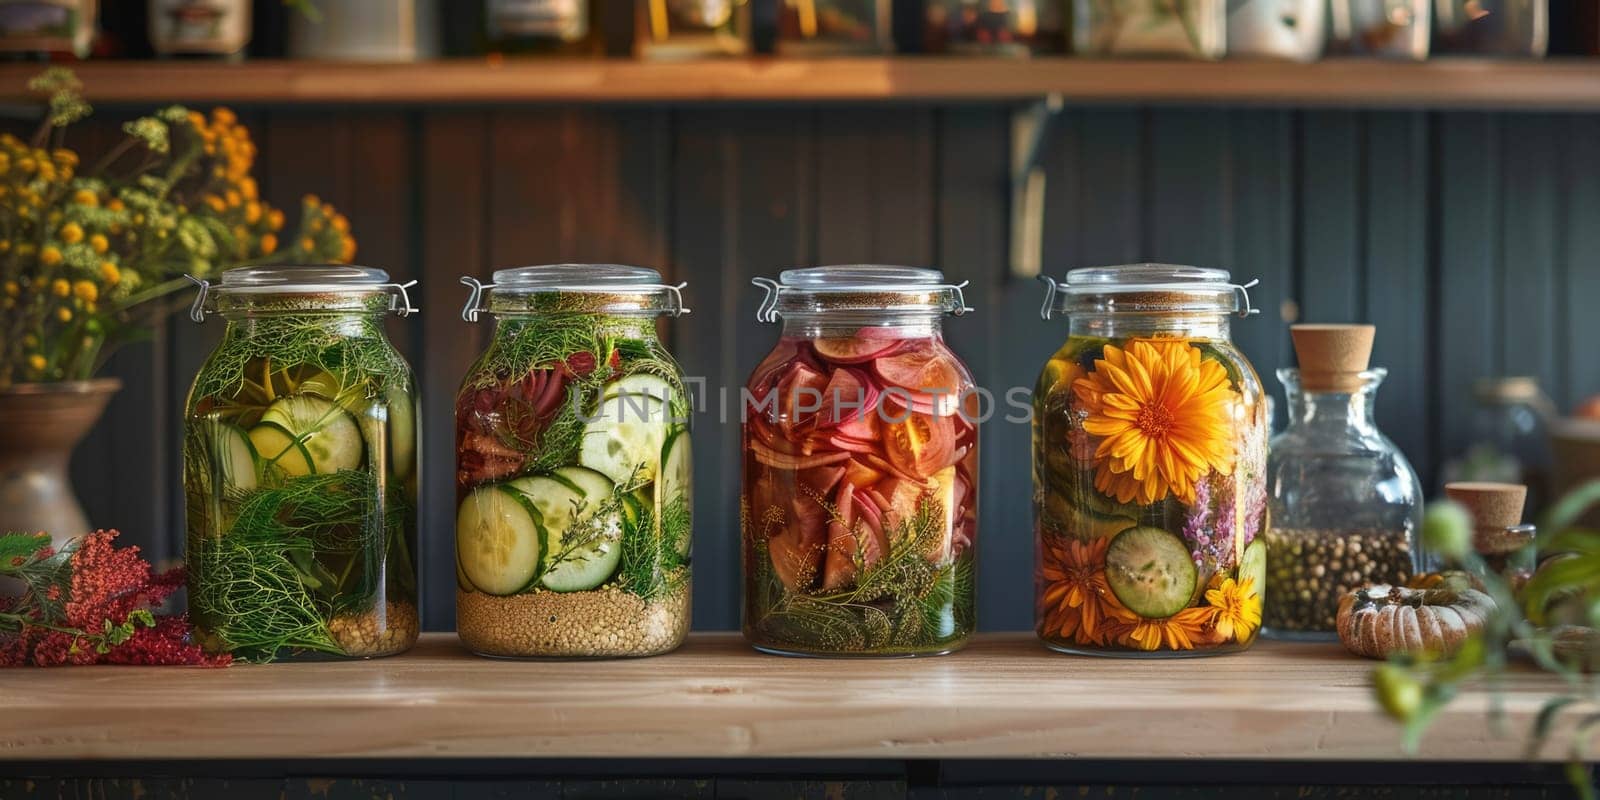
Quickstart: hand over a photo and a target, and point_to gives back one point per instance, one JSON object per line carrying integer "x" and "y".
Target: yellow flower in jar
{"x": 27, "y": 165}
{"x": 47, "y": 170}
{"x": 66, "y": 158}
{"x": 233, "y": 198}
{"x": 37, "y": 362}
{"x": 275, "y": 219}
{"x": 252, "y": 212}
{"x": 5, "y": 163}
{"x": 340, "y": 223}
{"x": 216, "y": 203}
{"x": 308, "y": 244}
{"x": 60, "y": 287}
{"x": 84, "y": 197}
{"x": 86, "y": 291}
{"x": 49, "y": 256}
{"x": 99, "y": 243}
{"x": 269, "y": 243}
{"x": 1237, "y": 606}
{"x": 71, "y": 233}
{"x": 115, "y": 205}
{"x": 248, "y": 188}
{"x": 1163, "y": 414}
{"x": 64, "y": 314}
{"x": 224, "y": 116}
{"x": 110, "y": 273}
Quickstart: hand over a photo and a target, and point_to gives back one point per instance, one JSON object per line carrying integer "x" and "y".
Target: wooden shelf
{"x": 1003, "y": 697}
{"x": 1444, "y": 83}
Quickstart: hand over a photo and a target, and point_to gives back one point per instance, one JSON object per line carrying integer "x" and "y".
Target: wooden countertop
{"x": 1003, "y": 697}
{"x": 1557, "y": 84}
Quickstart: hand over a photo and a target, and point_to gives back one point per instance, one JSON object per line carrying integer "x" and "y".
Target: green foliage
{"x": 355, "y": 358}
{"x": 651, "y": 565}
{"x": 907, "y": 601}
{"x": 296, "y": 554}
{"x": 1413, "y": 688}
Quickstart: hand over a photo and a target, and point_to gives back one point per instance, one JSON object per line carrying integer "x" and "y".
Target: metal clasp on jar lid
{"x": 1057, "y": 292}
{"x": 853, "y": 288}
{"x": 673, "y": 295}
{"x": 399, "y": 302}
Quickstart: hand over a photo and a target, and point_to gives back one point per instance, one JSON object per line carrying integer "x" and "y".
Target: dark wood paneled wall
{"x": 1469, "y": 238}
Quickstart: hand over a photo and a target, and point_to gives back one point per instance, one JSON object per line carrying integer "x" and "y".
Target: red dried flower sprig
{"x": 90, "y": 603}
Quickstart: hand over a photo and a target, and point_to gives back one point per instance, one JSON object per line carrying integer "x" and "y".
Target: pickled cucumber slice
{"x": 1150, "y": 571}
{"x": 642, "y": 384}
{"x": 581, "y": 549}
{"x": 235, "y": 456}
{"x": 279, "y": 448}
{"x": 327, "y": 435}
{"x": 1254, "y": 565}
{"x": 677, "y": 469}
{"x": 623, "y": 441}
{"x": 498, "y": 541}
{"x": 402, "y": 432}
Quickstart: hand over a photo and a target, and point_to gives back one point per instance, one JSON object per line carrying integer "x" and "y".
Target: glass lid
{"x": 301, "y": 278}
{"x": 859, "y": 287}
{"x": 304, "y": 287}
{"x": 577, "y": 288}
{"x": 1146, "y": 288}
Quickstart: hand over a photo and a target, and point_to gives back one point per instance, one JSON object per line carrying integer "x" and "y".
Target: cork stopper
{"x": 1496, "y": 510}
{"x": 1332, "y": 357}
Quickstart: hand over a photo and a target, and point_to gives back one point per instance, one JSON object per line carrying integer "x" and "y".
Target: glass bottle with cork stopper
{"x": 1345, "y": 504}
{"x": 1498, "y": 535}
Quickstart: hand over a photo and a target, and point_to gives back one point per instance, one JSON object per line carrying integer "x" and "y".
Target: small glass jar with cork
{"x": 1345, "y": 504}
{"x": 1498, "y": 535}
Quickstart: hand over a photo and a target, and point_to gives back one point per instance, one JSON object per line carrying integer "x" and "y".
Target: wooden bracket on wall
{"x": 1029, "y": 127}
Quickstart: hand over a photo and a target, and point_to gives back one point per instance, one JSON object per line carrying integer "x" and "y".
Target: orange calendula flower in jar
{"x": 1178, "y": 632}
{"x": 1163, "y": 413}
{"x": 1075, "y": 602}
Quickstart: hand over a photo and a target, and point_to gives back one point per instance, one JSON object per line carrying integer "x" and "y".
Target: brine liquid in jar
{"x": 300, "y": 469}
{"x": 1149, "y": 456}
{"x": 573, "y": 469}
{"x": 859, "y": 503}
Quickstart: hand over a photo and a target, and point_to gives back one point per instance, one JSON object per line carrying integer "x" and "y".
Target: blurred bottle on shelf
{"x": 46, "y": 28}
{"x": 362, "y": 30}
{"x": 834, "y": 27}
{"x": 1492, "y": 27}
{"x": 692, "y": 28}
{"x": 1182, "y": 28}
{"x": 199, "y": 28}
{"x": 1294, "y": 30}
{"x": 1383, "y": 28}
{"x": 541, "y": 27}
{"x": 1508, "y": 438}
{"x": 994, "y": 27}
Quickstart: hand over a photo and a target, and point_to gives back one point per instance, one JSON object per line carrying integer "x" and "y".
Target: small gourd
{"x": 1380, "y": 620}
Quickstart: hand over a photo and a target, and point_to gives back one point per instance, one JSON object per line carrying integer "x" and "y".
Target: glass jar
{"x": 1346, "y": 505}
{"x": 573, "y": 469}
{"x": 1493, "y": 27}
{"x": 1186, "y": 28}
{"x": 300, "y": 468}
{"x": 1149, "y": 463}
{"x": 692, "y": 28}
{"x": 859, "y": 507}
{"x": 834, "y": 27}
{"x": 994, "y": 27}
{"x": 1508, "y": 438}
{"x": 542, "y": 27}
{"x": 1383, "y": 28}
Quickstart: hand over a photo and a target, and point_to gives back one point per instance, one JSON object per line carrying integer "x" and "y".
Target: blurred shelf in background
{"x": 1566, "y": 85}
